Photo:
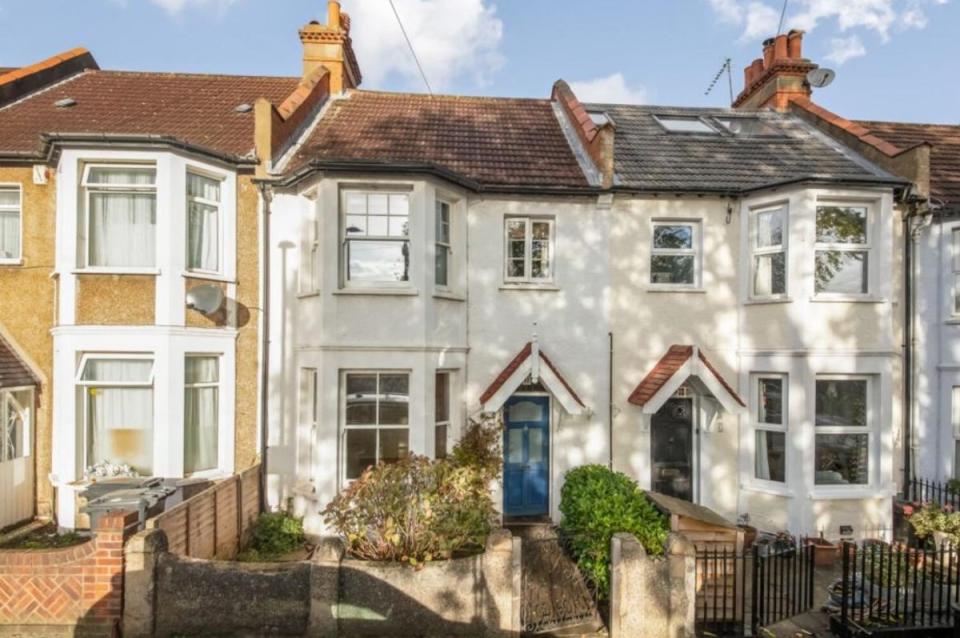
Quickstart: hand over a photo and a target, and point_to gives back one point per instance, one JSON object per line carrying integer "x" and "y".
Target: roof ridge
{"x": 895, "y": 123}
{"x": 188, "y": 74}
{"x": 449, "y": 96}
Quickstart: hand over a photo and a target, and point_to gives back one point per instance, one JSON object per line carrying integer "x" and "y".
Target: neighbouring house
{"x": 703, "y": 298}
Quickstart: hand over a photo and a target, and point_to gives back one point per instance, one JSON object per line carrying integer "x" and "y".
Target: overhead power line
{"x": 783, "y": 13}
{"x": 410, "y": 45}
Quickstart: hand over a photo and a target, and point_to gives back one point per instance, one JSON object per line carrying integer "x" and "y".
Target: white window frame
{"x": 18, "y": 209}
{"x": 955, "y": 272}
{"x": 846, "y": 248}
{"x": 443, "y": 248}
{"x": 695, "y": 250}
{"x": 309, "y": 413}
{"x": 757, "y": 251}
{"x": 26, "y": 443}
{"x": 83, "y": 406}
{"x": 762, "y": 426}
{"x": 309, "y": 279}
{"x": 869, "y": 429}
{"x": 448, "y": 422}
{"x": 344, "y": 428}
{"x": 664, "y": 119}
{"x": 345, "y": 280}
{"x": 221, "y": 243}
{"x": 208, "y": 384}
{"x": 86, "y": 189}
{"x": 527, "y": 277}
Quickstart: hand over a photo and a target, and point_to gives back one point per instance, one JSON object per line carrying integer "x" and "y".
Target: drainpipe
{"x": 610, "y": 401}
{"x": 265, "y": 194}
{"x": 907, "y": 350}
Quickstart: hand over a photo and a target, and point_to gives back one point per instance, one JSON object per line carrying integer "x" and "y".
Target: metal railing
{"x": 922, "y": 491}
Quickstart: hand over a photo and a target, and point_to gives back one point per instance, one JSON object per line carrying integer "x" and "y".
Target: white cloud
{"x": 452, "y": 38}
{"x": 843, "y": 49}
{"x": 612, "y": 89}
{"x": 760, "y": 21}
{"x": 174, "y": 7}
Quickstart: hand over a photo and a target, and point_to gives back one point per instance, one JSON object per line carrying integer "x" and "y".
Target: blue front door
{"x": 526, "y": 456}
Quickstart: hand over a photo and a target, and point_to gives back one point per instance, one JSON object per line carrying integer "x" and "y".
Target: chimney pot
{"x": 333, "y": 14}
{"x": 795, "y": 44}
{"x": 747, "y": 75}
{"x": 768, "y": 53}
{"x": 780, "y": 47}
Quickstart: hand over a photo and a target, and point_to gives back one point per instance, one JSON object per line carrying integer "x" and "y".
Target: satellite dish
{"x": 206, "y": 299}
{"x": 820, "y": 77}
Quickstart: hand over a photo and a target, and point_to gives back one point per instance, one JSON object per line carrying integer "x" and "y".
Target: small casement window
{"x": 955, "y": 271}
{"x": 120, "y": 221}
{"x": 117, "y": 410}
{"x": 442, "y": 415}
{"x": 309, "y": 280}
{"x": 769, "y": 252}
{"x": 443, "y": 248}
{"x": 16, "y": 422}
{"x": 529, "y": 249}
{"x": 203, "y": 223}
{"x": 376, "y": 420}
{"x": 201, "y": 419}
{"x": 842, "y": 250}
{"x": 685, "y": 124}
{"x": 675, "y": 254}
{"x": 376, "y": 238}
{"x": 843, "y": 430}
{"x": 10, "y": 220}
{"x": 770, "y": 427}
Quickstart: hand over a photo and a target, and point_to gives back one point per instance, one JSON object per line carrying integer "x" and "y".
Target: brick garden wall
{"x": 213, "y": 523}
{"x": 80, "y": 586}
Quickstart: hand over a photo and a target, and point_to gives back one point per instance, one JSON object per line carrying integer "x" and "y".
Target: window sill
{"x": 378, "y": 292}
{"x": 449, "y": 296}
{"x": 12, "y": 263}
{"x": 668, "y": 288}
{"x": 541, "y": 287}
{"x": 952, "y": 321}
{"x": 767, "y": 301}
{"x": 189, "y": 274}
{"x": 847, "y": 299}
{"x": 116, "y": 271}
{"x": 773, "y": 490}
{"x": 308, "y": 295}
{"x": 849, "y": 493}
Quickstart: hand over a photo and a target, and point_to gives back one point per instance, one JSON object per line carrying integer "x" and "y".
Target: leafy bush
{"x": 273, "y": 535}
{"x": 932, "y": 518}
{"x": 418, "y": 510}
{"x": 597, "y": 503}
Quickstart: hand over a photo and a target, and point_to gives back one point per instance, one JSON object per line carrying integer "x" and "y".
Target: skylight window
{"x": 599, "y": 117}
{"x": 676, "y": 124}
{"x": 751, "y": 126}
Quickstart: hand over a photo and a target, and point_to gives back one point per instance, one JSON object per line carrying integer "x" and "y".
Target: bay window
{"x": 442, "y": 415}
{"x": 843, "y": 429}
{"x": 203, "y": 223}
{"x": 442, "y": 243}
{"x": 529, "y": 250}
{"x": 842, "y": 250}
{"x": 376, "y": 420}
{"x": 10, "y": 221}
{"x": 770, "y": 427}
{"x": 117, "y": 410}
{"x": 955, "y": 271}
{"x": 16, "y": 415}
{"x": 376, "y": 237}
{"x": 675, "y": 254}
{"x": 120, "y": 220}
{"x": 201, "y": 419}
{"x": 769, "y": 254}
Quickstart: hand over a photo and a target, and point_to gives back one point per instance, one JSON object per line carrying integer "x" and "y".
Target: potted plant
{"x": 824, "y": 552}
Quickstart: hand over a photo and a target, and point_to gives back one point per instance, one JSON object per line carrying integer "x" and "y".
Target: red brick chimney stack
{"x": 779, "y": 76}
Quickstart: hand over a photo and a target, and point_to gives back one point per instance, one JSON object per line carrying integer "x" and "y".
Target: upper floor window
{"x": 376, "y": 237}
{"x": 769, "y": 252}
{"x": 201, "y": 418}
{"x": 10, "y": 215}
{"x": 770, "y": 428}
{"x": 442, "y": 241}
{"x": 529, "y": 250}
{"x": 675, "y": 254}
{"x": 842, "y": 250}
{"x": 121, "y": 216}
{"x": 955, "y": 268}
{"x": 842, "y": 445}
{"x": 203, "y": 223}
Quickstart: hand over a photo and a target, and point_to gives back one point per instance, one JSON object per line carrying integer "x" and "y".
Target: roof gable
{"x": 527, "y": 364}
{"x": 672, "y": 370}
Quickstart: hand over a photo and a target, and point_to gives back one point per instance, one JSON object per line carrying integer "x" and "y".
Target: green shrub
{"x": 597, "y": 503}
{"x": 418, "y": 510}
{"x": 273, "y": 534}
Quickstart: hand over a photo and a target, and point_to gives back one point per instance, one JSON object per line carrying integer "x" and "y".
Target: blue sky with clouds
{"x": 895, "y": 59}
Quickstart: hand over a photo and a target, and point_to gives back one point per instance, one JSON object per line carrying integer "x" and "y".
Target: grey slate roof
{"x": 647, "y": 157}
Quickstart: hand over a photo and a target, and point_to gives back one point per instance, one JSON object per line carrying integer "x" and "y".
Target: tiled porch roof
{"x": 667, "y": 367}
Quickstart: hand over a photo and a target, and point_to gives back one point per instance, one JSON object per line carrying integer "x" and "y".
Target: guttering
{"x": 52, "y": 143}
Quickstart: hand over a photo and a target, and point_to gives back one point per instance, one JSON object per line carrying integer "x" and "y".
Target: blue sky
{"x": 895, "y": 59}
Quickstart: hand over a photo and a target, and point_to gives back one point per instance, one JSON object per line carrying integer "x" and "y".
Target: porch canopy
{"x": 14, "y": 373}
{"x": 531, "y": 365}
{"x": 680, "y": 365}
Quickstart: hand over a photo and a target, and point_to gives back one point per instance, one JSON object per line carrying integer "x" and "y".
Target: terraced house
{"x": 706, "y": 299}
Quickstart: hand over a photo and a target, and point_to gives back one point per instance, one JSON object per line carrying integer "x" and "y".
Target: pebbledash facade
{"x": 705, "y": 299}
